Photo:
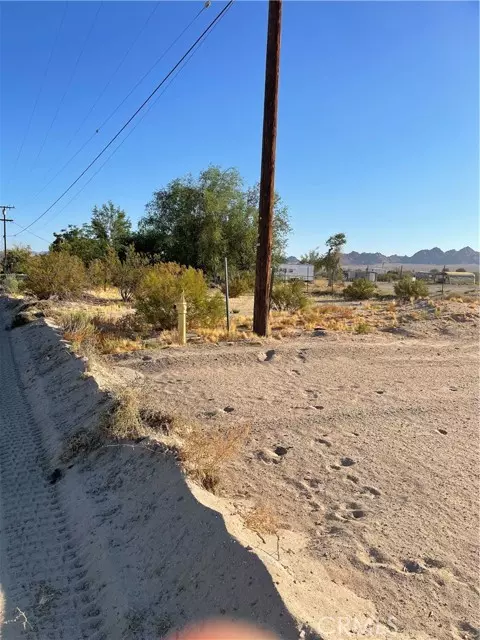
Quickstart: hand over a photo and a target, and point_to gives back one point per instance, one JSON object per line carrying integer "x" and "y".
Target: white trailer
{"x": 293, "y": 271}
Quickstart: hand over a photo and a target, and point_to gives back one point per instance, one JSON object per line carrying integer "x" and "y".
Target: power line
{"x": 87, "y": 142}
{"x": 30, "y": 232}
{"x": 112, "y": 140}
{"x": 157, "y": 61}
{"x": 109, "y": 81}
{"x": 69, "y": 83}
{"x": 172, "y": 79}
{"x": 45, "y": 74}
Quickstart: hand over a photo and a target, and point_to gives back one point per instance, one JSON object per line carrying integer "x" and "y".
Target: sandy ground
{"x": 376, "y": 487}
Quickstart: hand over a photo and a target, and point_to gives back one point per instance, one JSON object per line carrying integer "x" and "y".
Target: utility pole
{"x": 4, "y": 208}
{"x": 267, "y": 178}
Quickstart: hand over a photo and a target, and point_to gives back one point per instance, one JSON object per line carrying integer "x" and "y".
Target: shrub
{"x": 408, "y": 288}
{"x": 205, "y": 453}
{"x": 55, "y": 274}
{"x": 363, "y": 327}
{"x": 77, "y": 327}
{"x": 361, "y": 289}
{"x": 127, "y": 275}
{"x": 10, "y": 284}
{"x": 161, "y": 288}
{"x": 240, "y": 284}
{"x": 289, "y": 296}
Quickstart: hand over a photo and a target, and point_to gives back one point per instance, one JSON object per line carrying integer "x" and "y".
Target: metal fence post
{"x": 227, "y": 296}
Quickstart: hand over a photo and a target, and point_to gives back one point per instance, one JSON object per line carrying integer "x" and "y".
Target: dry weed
{"x": 82, "y": 442}
{"x": 263, "y": 519}
{"x": 124, "y": 421}
{"x": 204, "y": 453}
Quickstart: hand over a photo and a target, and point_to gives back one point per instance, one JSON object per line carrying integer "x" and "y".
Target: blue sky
{"x": 378, "y": 118}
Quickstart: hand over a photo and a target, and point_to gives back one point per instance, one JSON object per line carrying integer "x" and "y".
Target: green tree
{"x": 313, "y": 257}
{"x": 77, "y": 241}
{"x": 198, "y": 221}
{"x": 331, "y": 260}
{"x": 110, "y": 225}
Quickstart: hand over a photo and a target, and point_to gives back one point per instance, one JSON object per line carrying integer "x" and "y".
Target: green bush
{"x": 128, "y": 274}
{"x": 55, "y": 274}
{"x": 408, "y": 288}
{"x": 161, "y": 288}
{"x": 289, "y": 296}
{"x": 240, "y": 284}
{"x": 10, "y": 284}
{"x": 361, "y": 289}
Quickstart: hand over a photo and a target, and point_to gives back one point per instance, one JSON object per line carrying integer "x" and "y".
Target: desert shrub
{"x": 204, "y": 453}
{"x": 361, "y": 289}
{"x": 408, "y": 288}
{"x": 10, "y": 284}
{"x": 55, "y": 274}
{"x": 128, "y": 274}
{"x": 262, "y": 518}
{"x": 289, "y": 296}
{"x": 240, "y": 284}
{"x": 77, "y": 327}
{"x": 363, "y": 327}
{"x": 161, "y": 288}
{"x": 124, "y": 421}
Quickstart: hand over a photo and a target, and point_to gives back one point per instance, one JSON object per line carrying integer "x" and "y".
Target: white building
{"x": 295, "y": 271}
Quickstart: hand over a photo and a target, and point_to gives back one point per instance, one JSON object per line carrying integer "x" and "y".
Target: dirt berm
{"x": 117, "y": 543}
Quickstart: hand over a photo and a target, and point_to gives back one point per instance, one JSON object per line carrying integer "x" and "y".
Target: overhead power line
{"x": 40, "y": 90}
{"x": 30, "y": 232}
{"x": 172, "y": 79}
{"x": 97, "y": 130}
{"x": 69, "y": 83}
{"x": 144, "y": 103}
{"x": 109, "y": 81}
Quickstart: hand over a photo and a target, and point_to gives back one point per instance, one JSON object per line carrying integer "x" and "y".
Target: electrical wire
{"x": 30, "y": 232}
{"x": 94, "y": 134}
{"x": 144, "y": 103}
{"x": 172, "y": 79}
{"x": 42, "y": 84}
{"x": 69, "y": 83}
{"x": 109, "y": 81}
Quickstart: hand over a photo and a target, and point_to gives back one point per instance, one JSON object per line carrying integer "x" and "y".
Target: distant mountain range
{"x": 467, "y": 255}
{"x": 436, "y": 256}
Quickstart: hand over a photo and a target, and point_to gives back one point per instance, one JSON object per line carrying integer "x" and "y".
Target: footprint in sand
{"x": 327, "y": 443}
{"x": 372, "y": 491}
{"x": 347, "y": 462}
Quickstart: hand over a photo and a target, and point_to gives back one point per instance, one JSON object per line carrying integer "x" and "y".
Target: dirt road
{"x": 42, "y": 572}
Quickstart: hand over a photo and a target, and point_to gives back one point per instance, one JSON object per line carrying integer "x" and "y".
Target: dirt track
{"x": 42, "y": 573}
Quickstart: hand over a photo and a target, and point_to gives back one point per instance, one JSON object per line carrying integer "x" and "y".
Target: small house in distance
{"x": 295, "y": 271}
{"x": 455, "y": 277}
{"x": 359, "y": 274}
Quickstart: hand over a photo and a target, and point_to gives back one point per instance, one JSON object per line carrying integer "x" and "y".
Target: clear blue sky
{"x": 378, "y": 119}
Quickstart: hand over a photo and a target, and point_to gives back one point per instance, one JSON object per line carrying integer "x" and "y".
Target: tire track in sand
{"x": 42, "y": 574}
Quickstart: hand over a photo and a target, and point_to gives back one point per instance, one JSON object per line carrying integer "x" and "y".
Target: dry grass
{"x": 220, "y": 335}
{"x": 363, "y": 327}
{"x": 124, "y": 421}
{"x": 205, "y": 452}
{"x": 82, "y": 442}
{"x": 262, "y": 519}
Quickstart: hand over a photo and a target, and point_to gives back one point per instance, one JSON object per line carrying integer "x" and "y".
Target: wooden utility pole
{"x": 4, "y": 208}
{"x": 267, "y": 178}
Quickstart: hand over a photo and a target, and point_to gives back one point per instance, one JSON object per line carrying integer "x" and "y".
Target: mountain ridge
{"x": 436, "y": 256}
